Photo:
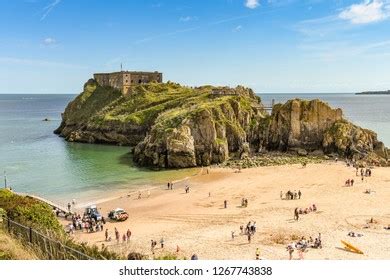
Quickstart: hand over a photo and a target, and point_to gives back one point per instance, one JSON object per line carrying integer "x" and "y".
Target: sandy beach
{"x": 198, "y": 222}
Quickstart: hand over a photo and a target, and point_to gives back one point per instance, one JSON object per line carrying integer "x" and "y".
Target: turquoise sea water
{"x": 39, "y": 162}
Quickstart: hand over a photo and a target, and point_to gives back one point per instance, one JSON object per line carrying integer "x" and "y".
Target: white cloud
{"x": 49, "y": 41}
{"x": 252, "y": 4}
{"x": 367, "y": 12}
{"x": 238, "y": 28}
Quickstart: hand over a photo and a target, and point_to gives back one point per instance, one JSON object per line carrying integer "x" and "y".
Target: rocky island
{"x": 173, "y": 126}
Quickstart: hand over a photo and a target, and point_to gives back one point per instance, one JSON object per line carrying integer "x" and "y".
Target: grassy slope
{"x": 11, "y": 249}
{"x": 166, "y": 104}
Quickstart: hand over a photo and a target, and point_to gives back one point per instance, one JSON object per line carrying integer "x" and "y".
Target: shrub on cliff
{"x": 30, "y": 212}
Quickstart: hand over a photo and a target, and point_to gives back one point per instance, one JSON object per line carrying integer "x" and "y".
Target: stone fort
{"x": 123, "y": 80}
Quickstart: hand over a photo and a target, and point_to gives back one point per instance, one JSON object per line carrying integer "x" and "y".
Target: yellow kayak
{"x": 351, "y": 248}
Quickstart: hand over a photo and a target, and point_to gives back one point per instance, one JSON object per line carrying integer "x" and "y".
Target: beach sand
{"x": 199, "y": 224}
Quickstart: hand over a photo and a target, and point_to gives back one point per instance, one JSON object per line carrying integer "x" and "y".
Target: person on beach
{"x": 139, "y": 194}
{"x": 162, "y": 243}
{"x": 290, "y": 249}
{"x": 124, "y": 238}
{"x": 232, "y": 235}
{"x": 352, "y": 181}
{"x": 106, "y": 234}
{"x": 296, "y": 214}
{"x": 69, "y": 206}
{"x": 299, "y": 194}
{"x": 242, "y": 229}
{"x": 225, "y": 204}
{"x": 257, "y": 254}
{"x": 152, "y": 245}
{"x": 117, "y": 235}
{"x": 128, "y": 234}
{"x": 249, "y": 237}
{"x": 209, "y": 194}
{"x": 169, "y": 185}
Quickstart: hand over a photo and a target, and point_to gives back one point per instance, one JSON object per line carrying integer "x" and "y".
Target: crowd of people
{"x": 291, "y": 195}
{"x": 85, "y": 224}
{"x": 249, "y": 230}
{"x": 303, "y": 244}
{"x": 307, "y": 210}
{"x": 364, "y": 172}
{"x": 125, "y": 237}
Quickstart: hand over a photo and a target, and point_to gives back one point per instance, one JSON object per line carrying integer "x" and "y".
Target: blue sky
{"x": 54, "y": 46}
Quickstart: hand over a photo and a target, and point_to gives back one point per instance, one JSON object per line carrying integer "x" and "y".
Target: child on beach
{"x": 257, "y": 254}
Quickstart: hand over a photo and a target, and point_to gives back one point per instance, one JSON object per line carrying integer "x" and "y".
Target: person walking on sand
{"x": 117, "y": 236}
{"x": 299, "y": 194}
{"x": 128, "y": 234}
{"x": 232, "y": 235}
{"x": 168, "y": 185}
{"x": 106, "y": 234}
{"x": 257, "y": 254}
{"x": 124, "y": 238}
{"x": 249, "y": 237}
{"x": 139, "y": 194}
{"x": 296, "y": 214}
{"x": 225, "y": 204}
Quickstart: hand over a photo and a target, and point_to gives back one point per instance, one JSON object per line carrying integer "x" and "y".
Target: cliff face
{"x": 301, "y": 124}
{"x": 173, "y": 126}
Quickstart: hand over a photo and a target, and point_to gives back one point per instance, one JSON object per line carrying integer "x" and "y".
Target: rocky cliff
{"x": 174, "y": 126}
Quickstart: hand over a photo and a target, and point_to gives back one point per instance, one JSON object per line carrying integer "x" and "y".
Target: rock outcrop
{"x": 300, "y": 124}
{"x": 173, "y": 126}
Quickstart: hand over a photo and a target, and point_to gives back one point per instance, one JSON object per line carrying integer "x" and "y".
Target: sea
{"x": 36, "y": 161}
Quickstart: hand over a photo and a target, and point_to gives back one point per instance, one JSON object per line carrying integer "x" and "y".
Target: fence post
{"x": 30, "y": 235}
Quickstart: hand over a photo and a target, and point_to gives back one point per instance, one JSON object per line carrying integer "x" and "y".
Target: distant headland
{"x": 384, "y": 92}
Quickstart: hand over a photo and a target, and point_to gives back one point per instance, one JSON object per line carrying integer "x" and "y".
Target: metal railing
{"x": 47, "y": 247}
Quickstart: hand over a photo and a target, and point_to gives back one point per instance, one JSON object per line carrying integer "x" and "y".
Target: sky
{"x": 272, "y": 46}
